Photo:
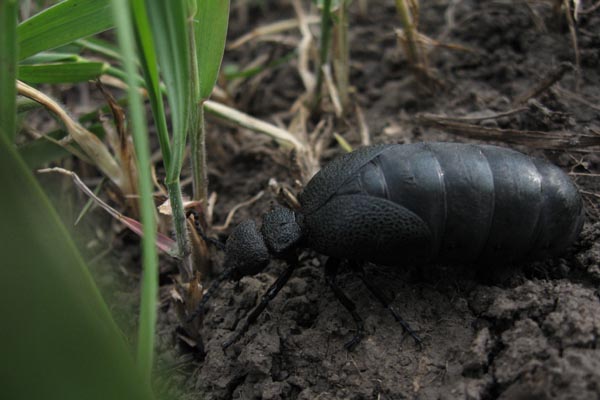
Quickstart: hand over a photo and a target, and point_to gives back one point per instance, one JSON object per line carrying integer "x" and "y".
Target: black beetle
{"x": 416, "y": 203}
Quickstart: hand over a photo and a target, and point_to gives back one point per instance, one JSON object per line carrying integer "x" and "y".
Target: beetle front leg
{"x": 331, "y": 268}
{"x": 385, "y": 301}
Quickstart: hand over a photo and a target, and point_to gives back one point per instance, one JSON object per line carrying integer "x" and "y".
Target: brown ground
{"x": 534, "y": 335}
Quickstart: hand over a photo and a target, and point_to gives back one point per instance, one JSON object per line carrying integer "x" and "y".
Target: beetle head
{"x": 248, "y": 250}
{"x": 245, "y": 251}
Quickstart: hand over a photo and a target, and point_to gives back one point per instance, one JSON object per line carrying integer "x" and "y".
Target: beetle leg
{"x": 209, "y": 293}
{"x": 266, "y": 298}
{"x": 385, "y": 301}
{"x": 215, "y": 242}
{"x": 331, "y": 268}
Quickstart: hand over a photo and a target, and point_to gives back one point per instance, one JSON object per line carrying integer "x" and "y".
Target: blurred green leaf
{"x": 8, "y": 62}
{"x": 42, "y": 151}
{"x": 148, "y": 305}
{"x": 233, "y": 72}
{"x": 25, "y": 104}
{"x": 39, "y": 152}
{"x": 58, "y": 340}
{"x": 334, "y": 4}
{"x": 342, "y": 142}
{"x": 61, "y": 24}
{"x": 62, "y": 72}
{"x": 210, "y": 31}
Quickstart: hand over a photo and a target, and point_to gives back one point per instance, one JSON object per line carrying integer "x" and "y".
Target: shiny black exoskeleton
{"x": 417, "y": 203}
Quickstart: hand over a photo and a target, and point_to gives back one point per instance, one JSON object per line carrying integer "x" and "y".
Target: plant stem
{"x": 324, "y": 47}
{"x": 181, "y": 232}
{"x": 196, "y": 126}
{"x": 406, "y": 20}
{"x": 92, "y": 146}
{"x": 198, "y": 155}
{"x": 149, "y": 288}
{"x": 283, "y": 137}
{"x": 341, "y": 55}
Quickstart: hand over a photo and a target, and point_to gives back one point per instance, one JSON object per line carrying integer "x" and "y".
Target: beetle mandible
{"x": 414, "y": 203}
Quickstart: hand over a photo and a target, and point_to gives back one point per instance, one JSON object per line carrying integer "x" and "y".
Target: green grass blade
{"x": 58, "y": 341}
{"x": 69, "y": 72}
{"x": 169, "y": 26}
{"x": 120, "y": 74}
{"x": 47, "y": 57}
{"x": 8, "y": 66}
{"x": 149, "y": 63}
{"x": 99, "y": 46}
{"x": 168, "y": 22}
{"x": 61, "y": 24}
{"x": 148, "y": 307}
{"x": 210, "y": 31}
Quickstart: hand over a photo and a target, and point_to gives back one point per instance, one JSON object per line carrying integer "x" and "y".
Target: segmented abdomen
{"x": 479, "y": 202}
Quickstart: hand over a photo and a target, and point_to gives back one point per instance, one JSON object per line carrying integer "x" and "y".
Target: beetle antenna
{"x": 209, "y": 292}
{"x": 215, "y": 242}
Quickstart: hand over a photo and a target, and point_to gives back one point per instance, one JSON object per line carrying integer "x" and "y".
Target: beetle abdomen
{"x": 476, "y": 202}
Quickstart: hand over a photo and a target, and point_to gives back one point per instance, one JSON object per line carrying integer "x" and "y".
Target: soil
{"x": 534, "y": 335}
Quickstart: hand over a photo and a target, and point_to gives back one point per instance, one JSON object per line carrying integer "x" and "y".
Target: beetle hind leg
{"x": 331, "y": 268}
{"x": 385, "y": 301}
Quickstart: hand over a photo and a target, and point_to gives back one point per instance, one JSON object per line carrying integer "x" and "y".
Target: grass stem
{"x": 409, "y": 29}
{"x": 198, "y": 156}
{"x": 323, "y": 47}
{"x": 341, "y": 54}
{"x": 149, "y": 287}
{"x": 181, "y": 232}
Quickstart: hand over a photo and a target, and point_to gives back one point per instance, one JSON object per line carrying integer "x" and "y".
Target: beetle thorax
{"x": 280, "y": 230}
